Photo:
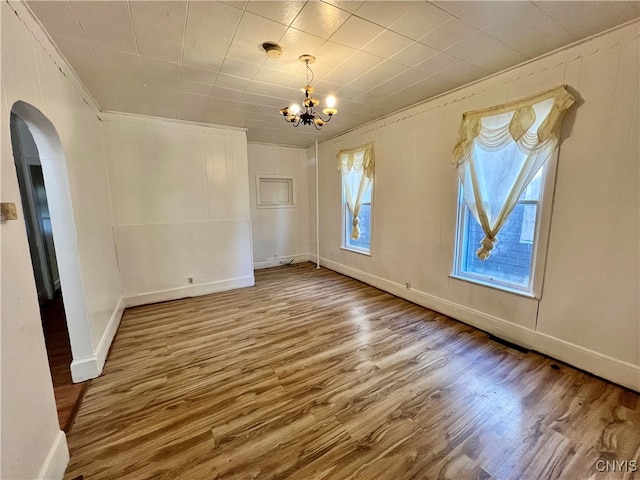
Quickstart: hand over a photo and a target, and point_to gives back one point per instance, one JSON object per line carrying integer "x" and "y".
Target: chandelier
{"x": 306, "y": 115}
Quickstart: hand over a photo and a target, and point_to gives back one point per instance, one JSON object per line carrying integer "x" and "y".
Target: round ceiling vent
{"x": 273, "y": 50}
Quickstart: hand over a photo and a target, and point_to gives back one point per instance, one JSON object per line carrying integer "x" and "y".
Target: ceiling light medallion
{"x": 307, "y": 116}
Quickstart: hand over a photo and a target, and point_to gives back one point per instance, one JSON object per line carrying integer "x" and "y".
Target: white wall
{"x": 279, "y": 234}
{"x": 32, "y": 444}
{"x": 180, "y": 207}
{"x": 588, "y": 314}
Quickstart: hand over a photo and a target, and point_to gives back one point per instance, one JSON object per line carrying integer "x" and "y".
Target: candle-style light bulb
{"x": 331, "y": 101}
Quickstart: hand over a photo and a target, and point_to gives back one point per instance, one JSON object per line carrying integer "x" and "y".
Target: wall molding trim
{"x": 275, "y": 262}
{"x": 57, "y": 458}
{"x": 612, "y": 369}
{"x": 192, "y": 291}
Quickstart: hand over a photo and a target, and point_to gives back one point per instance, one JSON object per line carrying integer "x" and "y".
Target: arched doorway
{"x": 49, "y": 220}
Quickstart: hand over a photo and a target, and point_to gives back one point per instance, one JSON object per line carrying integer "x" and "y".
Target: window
{"x": 502, "y": 158}
{"x": 356, "y": 167}
{"x": 364, "y": 242}
{"x": 512, "y": 260}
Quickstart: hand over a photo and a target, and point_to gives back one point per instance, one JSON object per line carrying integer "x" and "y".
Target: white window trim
{"x": 268, "y": 177}
{"x": 541, "y": 240}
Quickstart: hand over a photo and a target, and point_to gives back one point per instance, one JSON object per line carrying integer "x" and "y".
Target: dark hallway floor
{"x": 68, "y": 394}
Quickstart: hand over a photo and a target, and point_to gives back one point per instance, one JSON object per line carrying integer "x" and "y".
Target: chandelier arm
{"x": 320, "y": 117}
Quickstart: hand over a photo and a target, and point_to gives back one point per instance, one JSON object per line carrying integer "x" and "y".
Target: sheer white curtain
{"x": 499, "y": 151}
{"x": 357, "y": 167}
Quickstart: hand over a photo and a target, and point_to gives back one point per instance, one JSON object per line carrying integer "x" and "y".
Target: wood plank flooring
{"x": 313, "y": 375}
{"x": 56, "y": 335}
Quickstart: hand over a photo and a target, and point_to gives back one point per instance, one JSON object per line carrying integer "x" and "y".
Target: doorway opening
{"x": 42, "y": 240}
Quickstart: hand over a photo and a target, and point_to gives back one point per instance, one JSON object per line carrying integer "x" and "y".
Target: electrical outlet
{"x": 190, "y": 279}
{"x": 407, "y": 284}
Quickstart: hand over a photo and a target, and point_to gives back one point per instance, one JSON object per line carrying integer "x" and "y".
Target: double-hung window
{"x": 502, "y": 158}
{"x": 357, "y": 168}
{"x": 513, "y": 259}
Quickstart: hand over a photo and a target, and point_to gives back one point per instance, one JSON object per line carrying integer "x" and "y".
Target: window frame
{"x": 539, "y": 246}
{"x": 346, "y": 227}
{"x": 284, "y": 179}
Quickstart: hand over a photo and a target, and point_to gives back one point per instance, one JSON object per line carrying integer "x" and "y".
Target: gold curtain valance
{"x": 512, "y": 122}
{"x": 349, "y": 159}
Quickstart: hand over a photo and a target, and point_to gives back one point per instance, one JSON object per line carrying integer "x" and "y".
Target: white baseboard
{"x": 91, "y": 366}
{"x": 192, "y": 291}
{"x": 275, "y": 262}
{"x": 57, "y": 459}
{"x": 109, "y": 334}
{"x": 612, "y": 369}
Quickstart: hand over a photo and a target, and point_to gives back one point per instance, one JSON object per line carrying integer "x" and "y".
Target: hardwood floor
{"x": 56, "y": 335}
{"x": 313, "y": 375}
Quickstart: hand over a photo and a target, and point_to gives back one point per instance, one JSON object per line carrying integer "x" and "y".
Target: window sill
{"x": 361, "y": 252}
{"x": 494, "y": 286}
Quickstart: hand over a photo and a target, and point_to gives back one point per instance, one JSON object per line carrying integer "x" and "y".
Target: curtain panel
{"x": 500, "y": 149}
{"x": 356, "y": 166}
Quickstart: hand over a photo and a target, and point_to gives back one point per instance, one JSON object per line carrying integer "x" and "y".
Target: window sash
{"x": 538, "y": 254}
{"x": 346, "y": 228}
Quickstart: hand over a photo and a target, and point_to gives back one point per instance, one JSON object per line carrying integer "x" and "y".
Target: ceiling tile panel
{"x": 356, "y": 32}
{"x": 295, "y": 43}
{"x": 159, "y": 67}
{"x": 436, "y": 64}
{"x": 399, "y": 82}
{"x": 420, "y": 20}
{"x": 535, "y": 29}
{"x": 483, "y": 15}
{"x": 239, "y": 69}
{"x": 194, "y": 87}
{"x": 590, "y": 17}
{"x": 210, "y": 28}
{"x": 159, "y": 28}
{"x": 274, "y": 77}
{"x": 384, "y": 13}
{"x": 328, "y": 56}
{"x": 347, "y": 5}
{"x": 166, "y": 81}
{"x": 255, "y": 29}
{"x": 281, "y": 12}
{"x": 193, "y": 74}
{"x": 58, "y": 18}
{"x": 116, "y": 58}
{"x": 448, "y": 34}
{"x": 387, "y": 44}
{"x": 275, "y": 91}
{"x": 414, "y": 54}
{"x": 106, "y": 23}
{"x": 352, "y": 68}
{"x": 206, "y": 53}
{"x": 377, "y": 75}
{"x": 485, "y": 52}
{"x": 245, "y": 51}
{"x": 320, "y": 19}
{"x": 228, "y": 93}
{"x": 75, "y": 50}
{"x": 229, "y": 81}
